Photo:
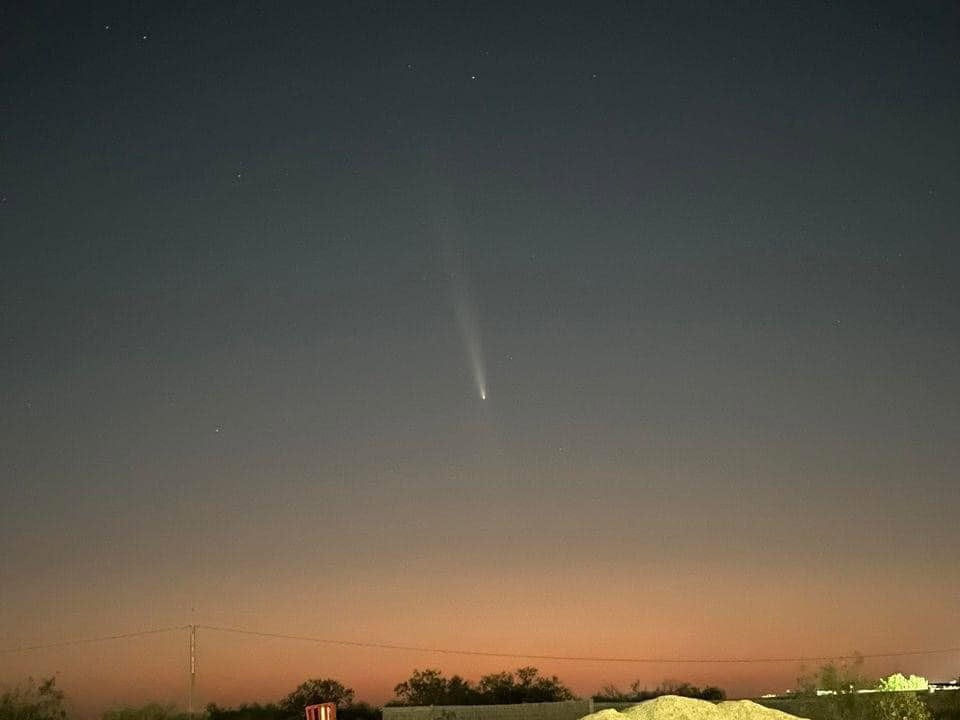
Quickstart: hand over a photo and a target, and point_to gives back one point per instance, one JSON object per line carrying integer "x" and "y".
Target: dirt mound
{"x": 609, "y": 714}
{"x": 673, "y": 707}
{"x": 748, "y": 710}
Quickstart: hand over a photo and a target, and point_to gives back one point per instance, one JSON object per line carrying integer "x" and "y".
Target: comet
{"x": 453, "y": 261}
{"x": 469, "y": 326}
{"x": 453, "y": 258}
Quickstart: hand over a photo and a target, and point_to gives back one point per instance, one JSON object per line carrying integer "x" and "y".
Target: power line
{"x": 523, "y": 656}
{"x": 83, "y": 641}
{"x": 475, "y": 653}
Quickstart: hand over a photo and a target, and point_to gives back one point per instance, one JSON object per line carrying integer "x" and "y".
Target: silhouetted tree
{"x": 459, "y": 692}
{"x": 847, "y": 677}
{"x": 292, "y": 706}
{"x": 32, "y": 701}
{"x": 430, "y": 687}
{"x": 496, "y": 688}
{"x": 713, "y": 693}
{"x": 313, "y": 691}
{"x": 611, "y": 693}
{"x": 638, "y": 693}
{"x": 524, "y": 686}
{"x": 426, "y": 687}
{"x": 841, "y": 682}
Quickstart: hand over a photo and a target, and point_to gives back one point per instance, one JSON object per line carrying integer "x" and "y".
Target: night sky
{"x": 612, "y": 329}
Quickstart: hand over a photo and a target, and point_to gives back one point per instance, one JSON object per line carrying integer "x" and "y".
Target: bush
{"x": 150, "y": 711}
{"x": 898, "y": 682}
{"x": 611, "y": 693}
{"x": 30, "y": 701}
{"x": 246, "y": 711}
{"x": 902, "y": 706}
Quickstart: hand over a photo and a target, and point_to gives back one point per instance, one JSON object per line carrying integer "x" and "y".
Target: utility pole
{"x": 193, "y": 667}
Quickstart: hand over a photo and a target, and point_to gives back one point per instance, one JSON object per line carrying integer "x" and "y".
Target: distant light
{"x": 483, "y": 394}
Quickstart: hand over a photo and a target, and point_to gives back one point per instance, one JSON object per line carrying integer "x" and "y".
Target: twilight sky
{"x": 259, "y": 262}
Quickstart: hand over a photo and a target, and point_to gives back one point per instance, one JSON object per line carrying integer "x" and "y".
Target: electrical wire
{"x": 83, "y": 641}
{"x": 574, "y": 658}
{"x": 480, "y": 653}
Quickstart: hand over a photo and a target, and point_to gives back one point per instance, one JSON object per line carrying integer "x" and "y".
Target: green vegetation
{"x": 898, "y": 682}
{"x": 901, "y": 705}
{"x": 33, "y": 701}
{"x": 898, "y": 697}
{"x": 874, "y": 706}
{"x": 841, "y": 682}
{"x": 847, "y": 677}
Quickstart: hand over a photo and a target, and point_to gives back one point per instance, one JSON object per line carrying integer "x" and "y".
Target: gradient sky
{"x": 258, "y": 260}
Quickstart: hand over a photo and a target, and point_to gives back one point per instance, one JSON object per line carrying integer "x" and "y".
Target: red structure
{"x": 323, "y": 711}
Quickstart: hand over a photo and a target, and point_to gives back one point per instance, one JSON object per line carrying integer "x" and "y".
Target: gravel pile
{"x": 673, "y": 707}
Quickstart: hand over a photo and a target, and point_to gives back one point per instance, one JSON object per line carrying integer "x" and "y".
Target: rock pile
{"x": 673, "y": 707}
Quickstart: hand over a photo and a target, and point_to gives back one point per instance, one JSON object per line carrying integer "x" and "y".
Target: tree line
{"x": 44, "y": 701}
{"x": 639, "y": 693}
{"x": 423, "y": 687}
{"x": 526, "y": 685}
{"x": 838, "y": 686}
